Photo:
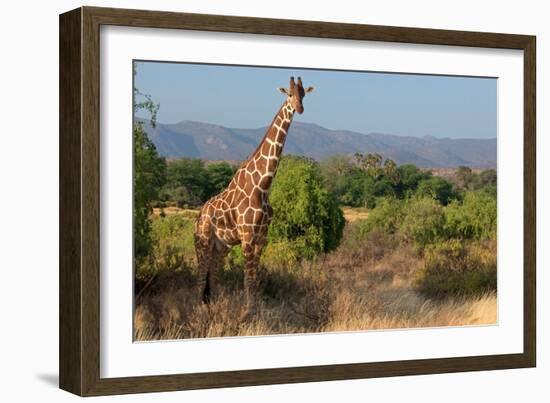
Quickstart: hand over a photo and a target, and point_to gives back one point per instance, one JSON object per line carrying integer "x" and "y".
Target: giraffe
{"x": 241, "y": 213}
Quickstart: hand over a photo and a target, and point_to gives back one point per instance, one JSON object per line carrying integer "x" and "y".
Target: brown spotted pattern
{"x": 241, "y": 213}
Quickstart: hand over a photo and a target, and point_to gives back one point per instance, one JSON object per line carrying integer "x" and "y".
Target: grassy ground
{"x": 352, "y": 214}
{"x": 360, "y": 286}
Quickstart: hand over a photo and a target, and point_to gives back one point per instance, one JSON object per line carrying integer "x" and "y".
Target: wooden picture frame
{"x": 79, "y": 317}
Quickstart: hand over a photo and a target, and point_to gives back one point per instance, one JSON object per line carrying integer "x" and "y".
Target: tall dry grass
{"x": 358, "y": 287}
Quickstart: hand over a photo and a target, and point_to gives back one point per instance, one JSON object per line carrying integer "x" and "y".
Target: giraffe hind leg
{"x": 219, "y": 252}
{"x": 206, "y": 292}
{"x": 203, "y": 270}
{"x": 210, "y": 258}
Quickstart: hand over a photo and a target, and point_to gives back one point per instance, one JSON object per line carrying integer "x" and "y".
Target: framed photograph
{"x": 248, "y": 201}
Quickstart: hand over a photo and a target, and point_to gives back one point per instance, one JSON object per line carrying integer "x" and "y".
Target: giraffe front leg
{"x": 252, "y": 261}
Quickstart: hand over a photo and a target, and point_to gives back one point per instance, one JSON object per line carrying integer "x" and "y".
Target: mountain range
{"x": 215, "y": 142}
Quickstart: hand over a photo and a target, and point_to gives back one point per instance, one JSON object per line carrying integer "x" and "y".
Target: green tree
{"x": 437, "y": 188}
{"x": 488, "y": 182}
{"x": 361, "y": 184}
{"x": 187, "y": 182}
{"x": 383, "y": 187}
{"x": 367, "y": 197}
{"x": 219, "y": 175}
{"x": 149, "y": 177}
{"x": 466, "y": 177}
{"x": 409, "y": 178}
{"x": 391, "y": 171}
{"x": 488, "y": 177}
{"x": 356, "y": 185}
{"x": 347, "y": 181}
{"x": 305, "y": 212}
{"x": 371, "y": 163}
{"x": 336, "y": 171}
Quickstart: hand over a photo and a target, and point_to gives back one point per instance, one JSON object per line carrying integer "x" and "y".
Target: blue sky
{"x": 247, "y": 97}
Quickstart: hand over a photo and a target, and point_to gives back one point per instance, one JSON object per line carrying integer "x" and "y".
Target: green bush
{"x": 173, "y": 247}
{"x": 416, "y": 220}
{"x": 387, "y": 216}
{"x": 283, "y": 253}
{"x": 458, "y": 268}
{"x": 422, "y": 222}
{"x": 305, "y": 212}
{"x": 473, "y": 218}
{"x": 372, "y": 244}
{"x": 355, "y": 235}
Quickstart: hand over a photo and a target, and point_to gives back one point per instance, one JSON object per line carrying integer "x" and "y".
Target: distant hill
{"x": 213, "y": 142}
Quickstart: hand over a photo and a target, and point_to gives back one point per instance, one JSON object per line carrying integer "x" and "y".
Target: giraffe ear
{"x": 283, "y": 90}
{"x": 309, "y": 89}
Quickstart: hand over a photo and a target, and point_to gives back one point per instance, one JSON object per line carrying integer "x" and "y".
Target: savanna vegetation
{"x": 357, "y": 242}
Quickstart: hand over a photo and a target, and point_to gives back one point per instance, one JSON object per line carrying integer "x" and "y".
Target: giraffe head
{"x": 295, "y": 94}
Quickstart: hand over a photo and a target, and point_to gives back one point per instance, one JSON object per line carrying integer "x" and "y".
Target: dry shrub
{"x": 287, "y": 304}
{"x": 400, "y": 266}
{"x": 368, "y": 283}
{"x": 409, "y": 310}
{"x": 173, "y": 249}
{"x": 456, "y": 268}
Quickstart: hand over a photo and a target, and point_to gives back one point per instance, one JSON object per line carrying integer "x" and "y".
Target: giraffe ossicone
{"x": 240, "y": 214}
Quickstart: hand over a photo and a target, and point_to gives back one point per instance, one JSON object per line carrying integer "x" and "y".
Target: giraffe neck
{"x": 265, "y": 159}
